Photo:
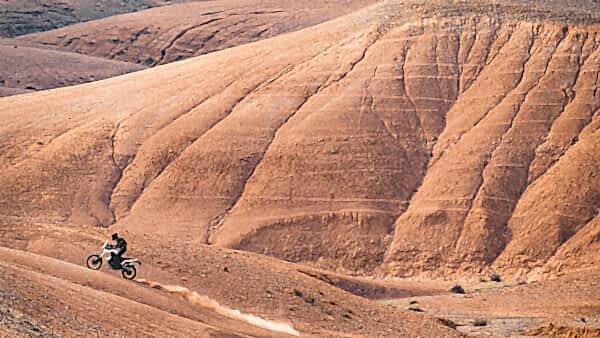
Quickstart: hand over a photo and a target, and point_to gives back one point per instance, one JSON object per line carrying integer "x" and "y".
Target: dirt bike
{"x": 126, "y": 265}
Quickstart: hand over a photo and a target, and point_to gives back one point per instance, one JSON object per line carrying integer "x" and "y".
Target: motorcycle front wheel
{"x": 128, "y": 272}
{"x": 94, "y": 262}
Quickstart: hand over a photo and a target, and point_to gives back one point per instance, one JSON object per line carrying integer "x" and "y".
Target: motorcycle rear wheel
{"x": 94, "y": 262}
{"x": 129, "y": 272}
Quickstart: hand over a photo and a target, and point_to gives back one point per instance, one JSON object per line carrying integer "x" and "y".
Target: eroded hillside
{"x": 119, "y": 44}
{"x": 176, "y": 32}
{"x": 402, "y": 138}
{"x": 27, "y": 16}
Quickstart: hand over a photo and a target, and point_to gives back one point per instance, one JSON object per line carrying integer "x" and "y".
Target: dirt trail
{"x": 202, "y": 300}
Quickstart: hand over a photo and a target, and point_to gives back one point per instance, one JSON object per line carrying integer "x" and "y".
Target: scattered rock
{"x": 562, "y": 331}
{"x": 457, "y": 289}
{"x": 479, "y": 322}
{"x": 495, "y": 278}
{"x": 447, "y": 322}
{"x": 415, "y": 309}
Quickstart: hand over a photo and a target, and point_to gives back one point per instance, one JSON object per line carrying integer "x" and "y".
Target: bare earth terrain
{"x": 28, "y": 16}
{"x": 176, "y": 32}
{"x": 326, "y": 168}
{"x": 30, "y": 67}
{"x": 254, "y": 284}
{"x": 121, "y": 44}
{"x": 571, "y": 302}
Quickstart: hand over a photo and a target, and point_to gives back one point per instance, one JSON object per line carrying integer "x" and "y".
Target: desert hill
{"x": 170, "y": 33}
{"x": 29, "y": 67}
{"x": 7, "y": 91}
{"x": 404, "y": 138}
{"x": 124, "y": 43}
{"x": 434, "y": 140}
{"x": 27, "y": 16}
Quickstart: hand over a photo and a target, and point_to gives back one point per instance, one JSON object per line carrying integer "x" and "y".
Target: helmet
{"x": 115, "y": 236}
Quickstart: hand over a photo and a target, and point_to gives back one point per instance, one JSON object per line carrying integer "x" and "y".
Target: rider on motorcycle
{"x": 121, "y": 245}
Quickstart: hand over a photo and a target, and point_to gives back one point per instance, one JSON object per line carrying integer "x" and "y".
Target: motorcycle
{"x": 126, "y": 265}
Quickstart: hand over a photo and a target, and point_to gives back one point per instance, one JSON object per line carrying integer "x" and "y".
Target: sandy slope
{"x": 29, "y": 66}
{"x": 7, "y": 91}
{"x": 171, "y": 33}
{"x": 27, "y": 16}
{"x": 192, "y": 278}
{"x": 147, "y": 38}
{"x": 253, "y": 284}
{"x": 104, "y": 304}
{"x": 439, "y": 139}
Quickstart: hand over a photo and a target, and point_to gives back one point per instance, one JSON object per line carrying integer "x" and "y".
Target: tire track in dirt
{"x": 197, "y": 299}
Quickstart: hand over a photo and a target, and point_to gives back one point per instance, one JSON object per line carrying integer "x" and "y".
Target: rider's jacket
{"x": 121, "y": 244}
